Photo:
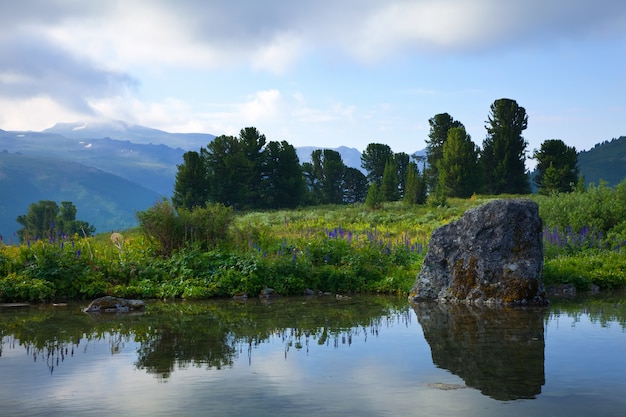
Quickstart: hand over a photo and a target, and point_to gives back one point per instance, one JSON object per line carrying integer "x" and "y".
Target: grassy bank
{"x": 339, "y": 249}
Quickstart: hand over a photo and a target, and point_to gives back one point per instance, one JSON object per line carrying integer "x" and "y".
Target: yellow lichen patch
{"x": 465, "y": 277}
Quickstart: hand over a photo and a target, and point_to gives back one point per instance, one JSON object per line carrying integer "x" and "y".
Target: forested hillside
{"x": 104, "y": 200}
{"x": 605, "y": 161}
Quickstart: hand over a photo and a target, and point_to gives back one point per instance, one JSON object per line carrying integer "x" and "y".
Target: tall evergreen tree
{"x": 415, "y": 186}
{"x": 191, "y": 188}
{"x": 373, "y": 161}
{"x": 459, "y": 170}
{"x": 557, "y": 167}
{"x": 282, "y": 183}
{"x": 504, "y": 149}
{"x": 389, "y": 187}
{"x": 252, "y": 143}
{"x": 227, "y": 171}
{"x": 402, "y": 164}
{"x": 440, "y": 124}
{"x": 325, "y": 176}
{"x": 354, "y": 186}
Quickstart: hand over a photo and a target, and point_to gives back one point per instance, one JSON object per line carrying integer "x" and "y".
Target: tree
{"x": 440, "y": 124}
{"x": 504, "y": 149}
{"x": 325, "y": 176}
{"x": 234, "y": 167}
{"x": 402, "y": 164}
{"x": 373, "y": 161}
{"x": 373, "y": 199}
{"x": 282, "y": 182}
{"x": 45, "y": 220}
{"x": 191, "y": 186}
{"x": 459, "y": 170}
{"x": 251, "y": 143}
{"x": 354, "y": 186}
{"x": 415, "y": 186}
{"x": 224, "y": 162}
{"x": 389, "y": 186}
{"x": 557, "y": 167}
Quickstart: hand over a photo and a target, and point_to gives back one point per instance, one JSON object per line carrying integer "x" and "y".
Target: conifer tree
{"x": 459, "y": 171}
{"x": 504, "y": 149}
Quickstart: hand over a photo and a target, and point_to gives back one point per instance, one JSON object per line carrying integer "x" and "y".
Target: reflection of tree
{"x": 499, "y": 351}
{"x": 212, "y": 334}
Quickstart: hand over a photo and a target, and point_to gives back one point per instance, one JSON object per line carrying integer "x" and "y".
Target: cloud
{"x": 32, "y": 67}
{"x": 272, "y": 34}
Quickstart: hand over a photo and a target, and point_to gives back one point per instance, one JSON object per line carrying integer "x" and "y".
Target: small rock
{"x": 110, "y": 304}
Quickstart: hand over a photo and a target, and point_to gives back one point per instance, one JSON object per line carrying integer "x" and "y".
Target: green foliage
{"x": 174, "y": 229}
{"x": 374, "y": 159}
{"x": 354, "y": 186}
{"x": 325, "y": 177}
{"x": 282, "y": 181}
{"x": 415, "y": 186}
{"x": 459, "y": 170}
{"x": 606, "y": 269}
{"x": 389, "y": 188}
{"x": 600, "y": 208}
{"x": 191, "y": 186}
{"x": 557, "y": 167}
{"x": 45, "y": 220}
{"x": 340, "y": 249}
{"x": 503, "y": 154}
{"x": 440, "y": 124}
{"x": 374, "y": 197}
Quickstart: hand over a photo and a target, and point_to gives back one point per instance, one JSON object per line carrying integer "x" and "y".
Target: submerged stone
{"x": 493, "y": 254}
{"x": 110, "y": 304}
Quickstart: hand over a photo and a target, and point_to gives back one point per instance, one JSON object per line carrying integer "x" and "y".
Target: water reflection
{"x": 213, "y": 334}
{"x": 495, "y": 350}
{"x": 369, "y": 356}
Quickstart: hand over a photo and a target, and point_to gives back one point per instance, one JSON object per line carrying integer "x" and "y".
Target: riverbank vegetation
{"x": 218, "y": 252}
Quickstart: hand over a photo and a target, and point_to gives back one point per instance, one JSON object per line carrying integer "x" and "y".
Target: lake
{"x": 365, "y": 356}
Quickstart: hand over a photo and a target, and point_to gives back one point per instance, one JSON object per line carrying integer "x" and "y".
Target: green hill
{"x": 106, "y": 201}
{"x": 605, "y": 161}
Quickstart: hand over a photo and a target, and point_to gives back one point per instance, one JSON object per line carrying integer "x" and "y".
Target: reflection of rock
{"x": 493, "y": 254}
{"x": 499, "y": 351}
{"x": 110, "y": 304}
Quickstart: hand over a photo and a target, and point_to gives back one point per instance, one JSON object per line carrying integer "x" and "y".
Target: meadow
{"x": 336, "y": 249}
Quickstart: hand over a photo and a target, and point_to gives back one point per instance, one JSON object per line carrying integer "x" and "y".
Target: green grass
{"x": 340, "y": 249}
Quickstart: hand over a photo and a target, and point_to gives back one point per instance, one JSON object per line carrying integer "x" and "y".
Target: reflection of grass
{"x": 175, "y": 334}
{"x": 603, "y": 308}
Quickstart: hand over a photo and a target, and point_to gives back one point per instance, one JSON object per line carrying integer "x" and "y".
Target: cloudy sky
{"x": 317, "y": 72}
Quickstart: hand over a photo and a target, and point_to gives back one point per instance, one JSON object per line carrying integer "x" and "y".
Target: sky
{"x": 317, "y": 72}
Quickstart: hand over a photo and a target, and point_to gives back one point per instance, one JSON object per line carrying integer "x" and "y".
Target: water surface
{"x": 367, "y": 356}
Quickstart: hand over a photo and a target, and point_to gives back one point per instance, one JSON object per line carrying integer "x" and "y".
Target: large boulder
{"x": 493, "y": 254}
{"x": 110, "y": 304}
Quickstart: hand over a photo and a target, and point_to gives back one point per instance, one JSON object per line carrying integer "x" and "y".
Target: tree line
{"x": 248, "y": 172}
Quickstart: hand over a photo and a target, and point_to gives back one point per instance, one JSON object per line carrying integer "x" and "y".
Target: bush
{"x": 174, "y": 229}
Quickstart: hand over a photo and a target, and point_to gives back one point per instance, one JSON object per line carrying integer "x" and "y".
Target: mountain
{"x": 104, "y": 200}
{"x": 605, "y": 161}
{"x": 152, "y": 166}
{"x": 120, "y": 130}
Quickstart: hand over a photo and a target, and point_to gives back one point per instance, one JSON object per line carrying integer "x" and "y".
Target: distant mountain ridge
{"x": 120, "y": 130}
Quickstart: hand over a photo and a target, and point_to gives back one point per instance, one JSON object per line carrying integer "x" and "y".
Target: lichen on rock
{"x": 493, "y": 254}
